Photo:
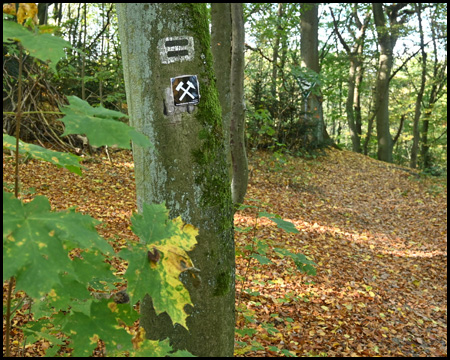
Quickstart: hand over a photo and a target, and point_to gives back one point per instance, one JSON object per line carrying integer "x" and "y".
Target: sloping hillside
{"x": 377, "y": 232}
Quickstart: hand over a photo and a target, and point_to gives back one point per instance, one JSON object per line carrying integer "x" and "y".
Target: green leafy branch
{"x": 58, "y": 258}
{"x": 258, "y": 250}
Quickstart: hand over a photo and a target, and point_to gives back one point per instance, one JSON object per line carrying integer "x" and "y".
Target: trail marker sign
{"x": 185, "y": 90}
{"x": 176, "y": 48}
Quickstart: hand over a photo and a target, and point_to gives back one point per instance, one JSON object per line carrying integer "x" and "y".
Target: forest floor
{"x": 377, "y": 232}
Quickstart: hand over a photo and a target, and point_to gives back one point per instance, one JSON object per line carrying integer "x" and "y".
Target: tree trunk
{"x": 238, "y": 151}
{"x": 309, "y": 22}
{"x": 273, "y": 85}
{"x": 187, "y": 166}
{"x": 221, "y": 25}
{"x": 387, "y": 38}
{"x": 417, "y": 112}
{"x": 385, "y": 143}
{"x": 227, "y": 44}
{"x": 352, "y": 106}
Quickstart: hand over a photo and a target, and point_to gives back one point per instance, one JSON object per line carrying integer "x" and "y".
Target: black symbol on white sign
{"x": 185, "y": 90}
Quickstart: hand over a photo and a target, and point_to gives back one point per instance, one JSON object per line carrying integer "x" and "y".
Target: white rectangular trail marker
{"x": 176, "y": 48}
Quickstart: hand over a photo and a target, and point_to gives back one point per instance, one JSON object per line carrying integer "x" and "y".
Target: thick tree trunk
{"x": 187, "y": 166}
{"x": 386, "y": 43}
{"x": 387, "y": 38}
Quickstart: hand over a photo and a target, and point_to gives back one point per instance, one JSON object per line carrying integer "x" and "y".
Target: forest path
{"x": 377, "y": 233}
{"x": 379, "y": 236}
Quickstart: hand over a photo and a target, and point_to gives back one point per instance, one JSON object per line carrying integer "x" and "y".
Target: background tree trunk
{"x": 227, "y": 44}
{"x": 187, "y": 166}
{"x": 238, "y": 151}
{"x": 387, "y": 38}
{"x": 417, "y": 112}
{"x": 221, "y": 25}
{"x": 309, "y": 22}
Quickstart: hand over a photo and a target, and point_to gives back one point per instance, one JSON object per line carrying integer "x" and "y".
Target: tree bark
{"x": 221, "y": 34}
{"x": 238, "y": 151}
{"x": 385, "y": 143}
{"x": 187, "y": 166}
{"x": 387, "y": 38}
{"x": 417, "y": 112}
{"x": 352, "y": 105}
{"x": 309, "y": 23}
{"x": 227, "y": 44}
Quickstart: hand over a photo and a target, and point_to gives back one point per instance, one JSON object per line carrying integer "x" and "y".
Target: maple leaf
{"x": 82, "y": 118}
{"x": 36, "y": 240}
{"x": 44, "y": 47}
{"x": 158, "y": 274}
{"x": 101, "y": 323}
{"x": 60, "y": 159}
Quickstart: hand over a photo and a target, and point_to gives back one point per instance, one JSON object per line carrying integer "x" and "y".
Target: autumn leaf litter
{"x": 377, "y": 231}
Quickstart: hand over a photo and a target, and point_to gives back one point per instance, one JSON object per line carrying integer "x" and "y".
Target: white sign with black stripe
{"x": 176, "y": 48}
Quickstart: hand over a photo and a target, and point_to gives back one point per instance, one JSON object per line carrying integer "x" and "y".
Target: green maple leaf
{"x": 60, "y": 159}
{"x": 168, "y": 240}
{"x": 100, "y": 125}
{"x": 44, "y": 47}
{"x": 36, "y": 243}
{"x": 103, "y": 323}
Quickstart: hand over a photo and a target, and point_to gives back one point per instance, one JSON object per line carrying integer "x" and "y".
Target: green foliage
{"x": 44, "y": 47}
{"x": 69, "y": 161}
{"x": 282, "y": 224}
{"x": 301, "y": 261}
{"x": 36, "y": 245}
{"x": 81, "y": 118}
{"x": 100, "y": 323}
{"x": 32, "y": 235}
{"x": 260, "y": 250}
{"x": 41, "y": 247}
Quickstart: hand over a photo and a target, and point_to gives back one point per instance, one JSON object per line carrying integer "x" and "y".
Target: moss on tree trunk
{"x": 186, "y": 168}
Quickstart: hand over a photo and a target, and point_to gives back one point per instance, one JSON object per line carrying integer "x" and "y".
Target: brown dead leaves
{"x": 377, "y": 232}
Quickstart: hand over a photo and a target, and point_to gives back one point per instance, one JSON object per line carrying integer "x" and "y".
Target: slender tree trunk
{"x": 238, "y": 151}
{"x": 221, "y": 34}
{"x": 187, "y": 166}
{"x": 417, "y": 112}
{"x": 227, "y": 44}
{"x": 309, "y": 48}
{"x": 276, "y": 46}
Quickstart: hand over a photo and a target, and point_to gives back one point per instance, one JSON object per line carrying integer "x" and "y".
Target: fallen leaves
{"x": 379, "y": 238}
{"x": 377, "y": 233}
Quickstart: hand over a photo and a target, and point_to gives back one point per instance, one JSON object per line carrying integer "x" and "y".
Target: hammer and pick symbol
{"x": 185, "y": 90}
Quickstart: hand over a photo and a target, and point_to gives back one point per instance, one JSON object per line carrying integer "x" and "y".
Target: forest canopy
{"x": 278, "y": 83}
